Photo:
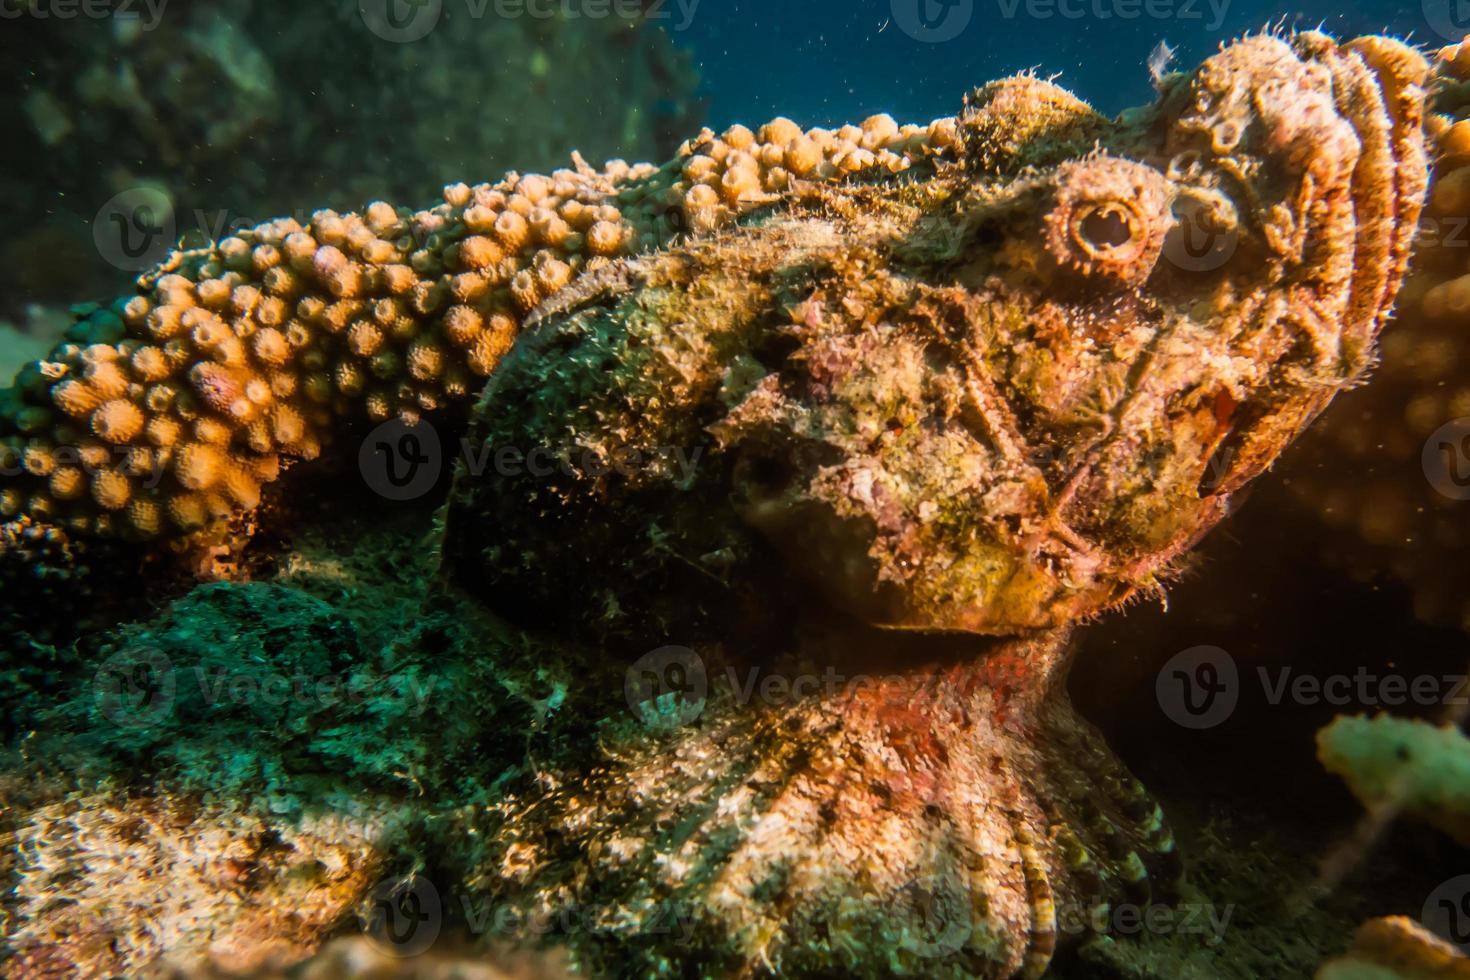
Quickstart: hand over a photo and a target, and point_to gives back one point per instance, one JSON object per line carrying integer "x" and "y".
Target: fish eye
{"x": 1108, "y": 219}
{"x": 1109, "y": 225}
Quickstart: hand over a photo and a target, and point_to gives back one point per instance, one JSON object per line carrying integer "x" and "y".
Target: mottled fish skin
{"x": 968, "y": 407}
{"x": 1002, "y": 395}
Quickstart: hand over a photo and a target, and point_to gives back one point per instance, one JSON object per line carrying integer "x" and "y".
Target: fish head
{"x": 1117, "y": 325}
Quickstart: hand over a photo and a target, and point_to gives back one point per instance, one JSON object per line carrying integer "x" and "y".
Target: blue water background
{"x": 826, "y": 63}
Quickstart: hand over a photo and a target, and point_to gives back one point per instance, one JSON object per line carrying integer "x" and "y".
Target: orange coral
{"x": 179, "y": 402}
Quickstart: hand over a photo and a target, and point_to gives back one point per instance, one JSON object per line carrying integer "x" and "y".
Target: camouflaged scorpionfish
{"x": 934, "y": 421}
{"x": 879, "y": 419}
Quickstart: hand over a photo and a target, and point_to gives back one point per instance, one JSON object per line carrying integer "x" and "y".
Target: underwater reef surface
{"x": 767, "y": 673}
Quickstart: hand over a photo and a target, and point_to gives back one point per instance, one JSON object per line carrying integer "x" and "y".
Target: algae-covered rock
{"x": 359, "y": 958}
{"x": 223, "y": 784}
{"x": 107, "y": 882}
